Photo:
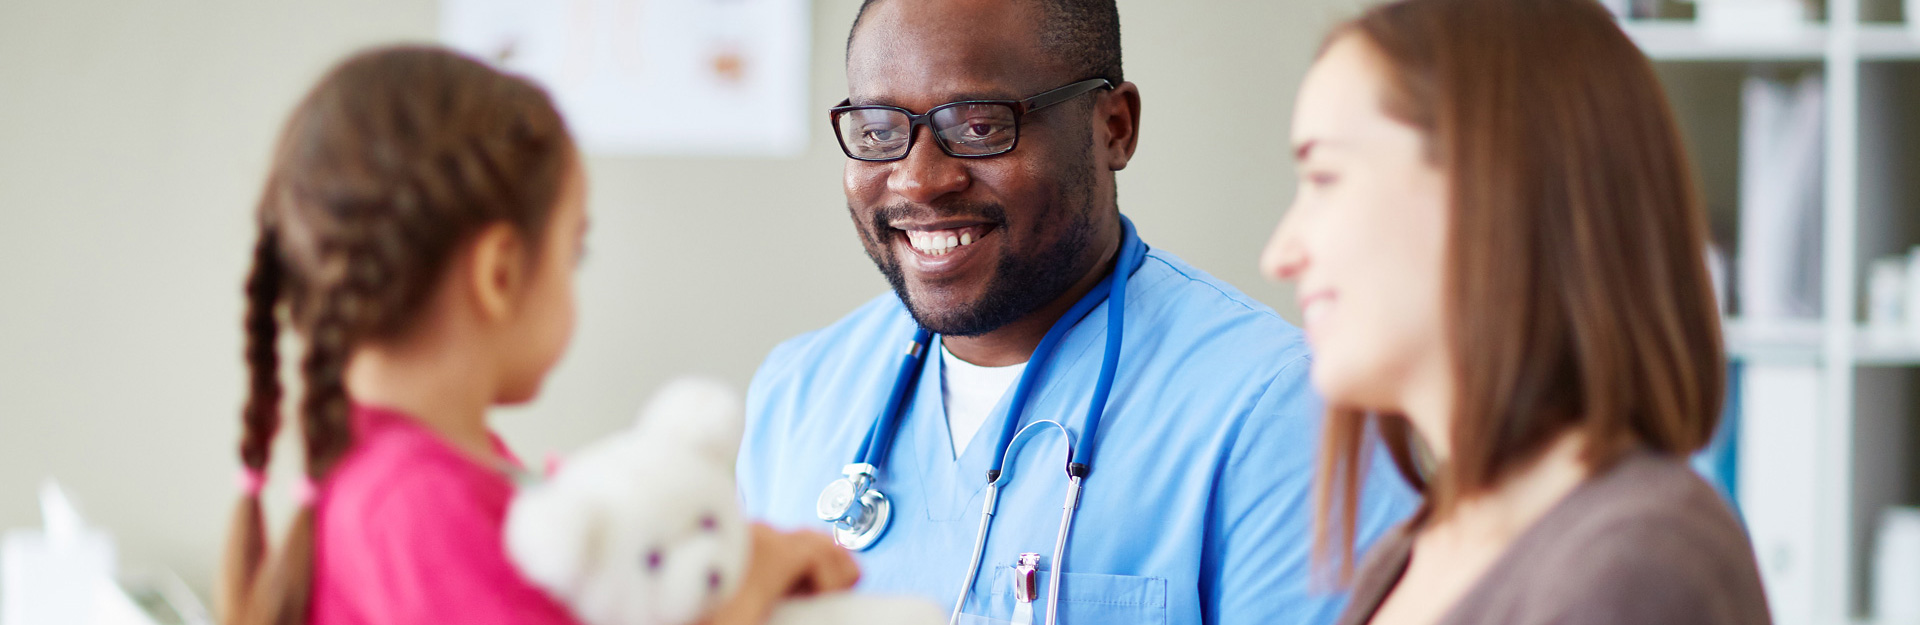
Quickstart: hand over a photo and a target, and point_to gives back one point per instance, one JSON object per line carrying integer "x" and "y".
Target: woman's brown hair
{"x": 397, "y": 158}
{"x": 1576, "y": 295}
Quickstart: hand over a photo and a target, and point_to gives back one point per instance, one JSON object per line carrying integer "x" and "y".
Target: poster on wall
{"x": 654, "y": 77}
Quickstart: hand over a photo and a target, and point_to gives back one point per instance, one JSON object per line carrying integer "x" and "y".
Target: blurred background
{"x": 134, "y": 136}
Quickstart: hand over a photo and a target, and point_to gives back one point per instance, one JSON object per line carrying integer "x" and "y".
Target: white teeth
{"x": 938, "y": 243}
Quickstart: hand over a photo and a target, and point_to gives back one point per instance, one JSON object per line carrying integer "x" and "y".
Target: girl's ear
{"x": 498, "y": 270}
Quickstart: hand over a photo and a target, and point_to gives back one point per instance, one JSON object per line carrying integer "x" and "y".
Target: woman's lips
{"x": 1315, "y": 306}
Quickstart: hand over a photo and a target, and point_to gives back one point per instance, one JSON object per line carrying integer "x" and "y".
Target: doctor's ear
{"x": 497, "y": 270}
{"x": 1117, "y": 124}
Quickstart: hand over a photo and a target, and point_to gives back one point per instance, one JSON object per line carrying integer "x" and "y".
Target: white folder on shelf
{"x": 1782, "y": 144}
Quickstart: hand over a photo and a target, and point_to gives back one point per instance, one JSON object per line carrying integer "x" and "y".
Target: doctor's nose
{"x": 927, "y": 172}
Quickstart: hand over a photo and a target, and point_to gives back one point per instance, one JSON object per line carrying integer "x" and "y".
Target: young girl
{"x": 421, "y": 223}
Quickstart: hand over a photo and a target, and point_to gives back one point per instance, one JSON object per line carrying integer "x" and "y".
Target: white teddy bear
{"x": 643, "y": 528}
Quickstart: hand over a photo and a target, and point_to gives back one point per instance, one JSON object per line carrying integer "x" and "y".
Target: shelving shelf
{"x": 1682, "y": 40}
{"x": 1802, "y": 342}
{"x": 1888, "y": 42}
{"x": 1789, "y": 342}
{"x": 1873, "y": 348}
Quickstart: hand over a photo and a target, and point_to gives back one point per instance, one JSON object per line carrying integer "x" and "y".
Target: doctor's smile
{"x": 940, "y": 246}
{"x": 940, "y": 240}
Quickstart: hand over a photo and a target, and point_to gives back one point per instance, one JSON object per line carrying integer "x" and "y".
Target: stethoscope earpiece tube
{"x": 979, "y": 544}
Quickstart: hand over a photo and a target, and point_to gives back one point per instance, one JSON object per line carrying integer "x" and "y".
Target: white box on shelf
{"x": 1780, "y": 415}
{"x": 1896, "y": 567}
{"x": 1886, "y": 297}
{"x": 1913, "y": 17}
{"x": 1752, "y": 21}
{"x": 1911, "y": 305}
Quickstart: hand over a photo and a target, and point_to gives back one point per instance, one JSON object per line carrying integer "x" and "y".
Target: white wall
{"x": 133, "y": 136}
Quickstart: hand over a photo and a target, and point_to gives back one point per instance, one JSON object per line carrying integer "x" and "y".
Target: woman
{"x": 1497, "y": 250}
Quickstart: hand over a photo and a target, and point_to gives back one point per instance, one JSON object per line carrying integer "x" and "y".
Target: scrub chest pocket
{"x": 1084, "y": 598}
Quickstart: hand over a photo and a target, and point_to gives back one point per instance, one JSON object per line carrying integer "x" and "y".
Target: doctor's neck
{"x": 1014, "y": 343}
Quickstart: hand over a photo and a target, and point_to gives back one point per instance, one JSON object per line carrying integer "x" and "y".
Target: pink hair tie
{"x": 251, "y": 481}
{"x": 305, "y": 492}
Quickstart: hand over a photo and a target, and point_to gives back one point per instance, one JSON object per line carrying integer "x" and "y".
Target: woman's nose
{"x": 927, "y": 172}
{"x": 1284, "y": 257}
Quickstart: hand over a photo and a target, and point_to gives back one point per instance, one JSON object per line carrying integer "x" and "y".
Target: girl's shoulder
{"x": 399, "y": 471}
{"x": 408, "y": 530}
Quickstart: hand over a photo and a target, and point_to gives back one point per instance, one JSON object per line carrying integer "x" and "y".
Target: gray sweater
{"x": 1647, "y": 542}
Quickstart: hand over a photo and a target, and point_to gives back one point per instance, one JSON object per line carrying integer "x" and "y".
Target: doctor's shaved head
{"x": 1000, "y": 245}
{"x": 1081, "y": 34}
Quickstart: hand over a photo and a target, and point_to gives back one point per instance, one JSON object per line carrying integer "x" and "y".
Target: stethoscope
{"x": 860, "y": 513}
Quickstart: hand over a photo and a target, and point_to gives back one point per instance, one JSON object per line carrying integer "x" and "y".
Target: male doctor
{"x": 992, "y": 220}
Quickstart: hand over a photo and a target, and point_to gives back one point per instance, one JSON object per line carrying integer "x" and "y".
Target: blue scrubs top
{"x": 1198, "y": 508}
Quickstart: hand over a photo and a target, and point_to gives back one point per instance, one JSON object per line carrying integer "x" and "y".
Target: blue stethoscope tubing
{"x": 874, "y": 449}
{"x": 879, "y": 440}
{"x": 1080, "y": 456}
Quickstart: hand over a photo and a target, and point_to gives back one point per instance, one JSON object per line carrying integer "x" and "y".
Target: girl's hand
{"x": 785, "y": 564}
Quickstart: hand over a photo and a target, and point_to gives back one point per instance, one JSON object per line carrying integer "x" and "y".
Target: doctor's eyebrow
{"x": 858, "y": 100}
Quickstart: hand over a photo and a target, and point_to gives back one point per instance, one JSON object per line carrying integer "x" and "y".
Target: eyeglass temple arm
{"x": 1063, "y": 94}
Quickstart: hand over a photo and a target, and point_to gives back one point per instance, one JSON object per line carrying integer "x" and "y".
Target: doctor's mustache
{"x": 884, "y": 216}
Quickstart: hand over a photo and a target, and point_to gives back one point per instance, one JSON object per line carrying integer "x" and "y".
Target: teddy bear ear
{"x": 703, "y": 412}
{"x": 553, "y": 536}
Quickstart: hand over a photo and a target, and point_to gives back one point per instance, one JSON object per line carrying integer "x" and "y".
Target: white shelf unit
{"x": 1831, "y": 352}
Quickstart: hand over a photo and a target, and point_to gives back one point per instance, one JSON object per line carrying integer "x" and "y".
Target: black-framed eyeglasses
{"x": 965, "y": 129}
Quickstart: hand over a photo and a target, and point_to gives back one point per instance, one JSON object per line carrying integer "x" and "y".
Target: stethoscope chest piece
{"x": 858, "y": 512}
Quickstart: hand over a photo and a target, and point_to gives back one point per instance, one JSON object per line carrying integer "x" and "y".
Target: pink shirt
{"x": 407, "y": 530}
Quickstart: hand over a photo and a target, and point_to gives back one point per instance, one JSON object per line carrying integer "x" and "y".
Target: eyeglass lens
{"x": 969, "y": 129}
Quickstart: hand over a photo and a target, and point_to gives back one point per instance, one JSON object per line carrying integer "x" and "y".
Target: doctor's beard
{"x": 1017, "y": 286}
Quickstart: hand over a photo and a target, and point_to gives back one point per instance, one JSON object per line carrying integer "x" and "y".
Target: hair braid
{"x": 261, "y": 416}
{"x": 260, "y": 421}
{"x": 348, "y": 310}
